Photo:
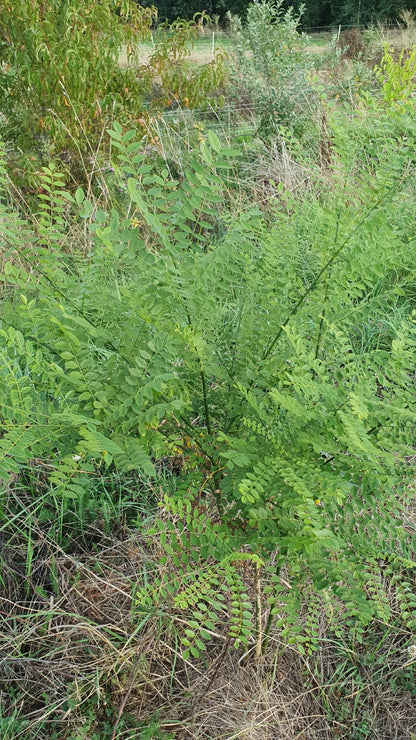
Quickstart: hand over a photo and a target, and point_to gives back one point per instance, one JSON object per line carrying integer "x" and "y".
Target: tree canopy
{"x": 317, "y": 13}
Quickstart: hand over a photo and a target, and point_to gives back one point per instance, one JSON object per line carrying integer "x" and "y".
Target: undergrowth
{"x": 206, "y": 436}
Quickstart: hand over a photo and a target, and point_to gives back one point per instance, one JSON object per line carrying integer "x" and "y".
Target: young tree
{"x": 59, "y": 66}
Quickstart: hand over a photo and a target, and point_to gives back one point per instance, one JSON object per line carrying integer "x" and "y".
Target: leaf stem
{"x": 269, "y": 348}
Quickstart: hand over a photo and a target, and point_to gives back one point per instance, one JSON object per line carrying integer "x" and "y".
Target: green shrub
{"x": 397, "y": 79}
{"x": 181, "y": 83}
{"x": 60, "y": 79}
{"x": 276, "y": 360}
{"x": 61, "y": 83}
{"x": 270, "y": 69}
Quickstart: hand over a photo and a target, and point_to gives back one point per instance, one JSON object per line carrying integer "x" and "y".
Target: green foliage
{"x": 251, "y": 371}
{"x": 60, "y": 78}
{"x": 199, "y": 586}
{"x": 61, "y": 81}
{"x": 191, "y": 86}
{"x": 317, "y": 14}
{"x": 352, "y": 13}
{"x": 274, "y": 358}
{"x": 153, "y": 731}
{"x": 398, "y": 79}
{"x": 12, "y": 725}
{"x": 271, "y": 68}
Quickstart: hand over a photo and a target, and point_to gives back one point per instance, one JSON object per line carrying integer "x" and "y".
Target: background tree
{"x": 316, "y": 14}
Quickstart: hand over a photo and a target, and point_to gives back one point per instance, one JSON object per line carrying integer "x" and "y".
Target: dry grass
{"x": 275, "y": 167}
{"x": 401, "y": 37}
{"x": 73, "y": 653}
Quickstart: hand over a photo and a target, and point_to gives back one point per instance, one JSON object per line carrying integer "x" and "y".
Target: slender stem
{"x": 205, "y": 397}
{"x": 259, "y": 634}
{"x": 201, "y": 372}
{"x": 269, "y": 349}
{"x": 321, "y": 323}
{"x": 268, "y": 627}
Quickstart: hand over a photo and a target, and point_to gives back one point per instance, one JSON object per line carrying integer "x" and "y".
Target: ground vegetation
{"x": 207, "y": 351}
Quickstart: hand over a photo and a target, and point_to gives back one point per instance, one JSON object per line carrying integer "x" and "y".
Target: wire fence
{"x": 235, "y": 121}
{"x": 217, "y": 39}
